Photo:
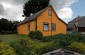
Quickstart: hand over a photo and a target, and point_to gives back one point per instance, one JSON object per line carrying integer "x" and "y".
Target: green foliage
{"x": 33, "y": 6}
{"x": 66, "y": 39}
{"x": 26, "y": 44}
{"x": 12, "y": 37}
{"x": 54, "y": 37}
{"x": 36, "y": 35}
{"x": 8, "y": 32}
{"x": 29, "y": 46}
{"x": 33, "y": 47}
{"x": 78, "y": 47}
{"x": 8, "y": 27}
{"x": 59, "y": 38}
{"x": 63, "y": 43}
{"x": 20, "y": 50}
{"x": 41, "y": 48}
{"x": 31, "y": 34}
{"x": 5, "y": 49}
{"x": 33, "y": 53}
{"x": 49, "y": 46}
{"x": 3, "y": 32}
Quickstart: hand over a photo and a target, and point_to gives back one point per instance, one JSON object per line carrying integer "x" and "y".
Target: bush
{"x": 8, "y": 32}
{"x": 54, "y": 37}
{"x": 36, "y": 35}
{"x": 63, "y": 43}
{"x": 20, "y": 50}
{"x": 66, "y": 39}
{"x": 49, "y": 46}
{"x": 32, "y": 34}
{"x": 78, "y": 37}
{"x": 26, "y": 44}
{"x": 41, "y": 48}
{"x": 6, "y": 49}
{"x": 33, "y": 53}
{"x": 78, "y": 47}
{"x": 3, "y": 32}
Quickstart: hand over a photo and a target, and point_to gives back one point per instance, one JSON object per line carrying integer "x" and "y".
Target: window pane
{"x": 46, "y": 27}
{"x": 53, "y": 27}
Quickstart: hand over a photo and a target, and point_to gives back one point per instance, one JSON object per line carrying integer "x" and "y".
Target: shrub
{"x": 78, "y": 47}
{"x": 6, "y": 49}
{"x": 54, "y": 37}
{"x": 32, "y": 34}
{"x": 20, "y": 50}
{"x": 77, "y": 36}
{"x": 49, "y": 46}
{"x": 33, "y": 53}
{"x": 66, "y": 39}
{"x": 63, "y": 43}
{"x": 8, "y": 32}
{"x": 41, "y": 48}
{"x": 3, "y": 32}
{"x": 25, "y": 43}
{"x": 36, "y": 35}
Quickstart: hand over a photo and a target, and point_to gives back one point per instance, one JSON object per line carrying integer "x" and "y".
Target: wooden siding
{"x": 44, "y": 17}
{"x": 23, "y": 29}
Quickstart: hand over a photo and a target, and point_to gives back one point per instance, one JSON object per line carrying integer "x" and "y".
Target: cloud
{"x": 13, "y": 9}
{"x": 1, "y": 10}
{"x": 65, "y": 12}
{"x": 62, "y": 8}
{"x": 14, "y": 2}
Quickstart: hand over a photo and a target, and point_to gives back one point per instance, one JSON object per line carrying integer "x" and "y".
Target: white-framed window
{"x": 45, "y": 26}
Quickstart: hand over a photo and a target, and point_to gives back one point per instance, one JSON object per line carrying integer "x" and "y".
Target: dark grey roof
{"x": 71, "y": 25}
{"x": 80, "y": 20}
{"x": 81, "y": 24}
{"x": 34, "y": 16}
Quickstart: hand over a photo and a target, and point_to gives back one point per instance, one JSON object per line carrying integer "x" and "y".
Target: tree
{"x": 4, "y": 24}
{"x": 33, "y": 6}
{"x": 8, "y": 26}
{"x": 15, "y": 23}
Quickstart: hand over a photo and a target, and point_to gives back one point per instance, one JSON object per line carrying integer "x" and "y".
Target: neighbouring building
{"x": 77, "y": 24}
{"x": 46, "y": 21}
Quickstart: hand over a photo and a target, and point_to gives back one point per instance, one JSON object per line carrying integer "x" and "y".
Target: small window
{"x": 28, "y": 27}
{"x": 46, "y": 26}
{"x": 53, "y": 27}
{"x": 50, "y": 12}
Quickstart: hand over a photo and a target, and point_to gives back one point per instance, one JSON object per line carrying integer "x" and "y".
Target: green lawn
{"x": 11, "y": 37}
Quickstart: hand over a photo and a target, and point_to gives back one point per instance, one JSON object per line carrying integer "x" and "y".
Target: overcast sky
{"x": 13, "y": 9}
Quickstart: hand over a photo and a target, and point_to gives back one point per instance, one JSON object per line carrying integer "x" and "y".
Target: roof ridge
{"x": 34, "y": 16}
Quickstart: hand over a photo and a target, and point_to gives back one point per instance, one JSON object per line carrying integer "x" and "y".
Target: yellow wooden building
{"x": 46, "y": 21}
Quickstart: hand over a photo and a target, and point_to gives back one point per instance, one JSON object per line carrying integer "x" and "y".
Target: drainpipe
{"x": 51, "y": 22}
{"x": 35, "y": 24}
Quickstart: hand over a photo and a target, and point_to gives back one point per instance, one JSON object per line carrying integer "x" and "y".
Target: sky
{"x": 79, "y": 8}
{"x": 65, "y": 9}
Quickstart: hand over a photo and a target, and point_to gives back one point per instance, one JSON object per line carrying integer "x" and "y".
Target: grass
{"x": 11, "y": 37}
